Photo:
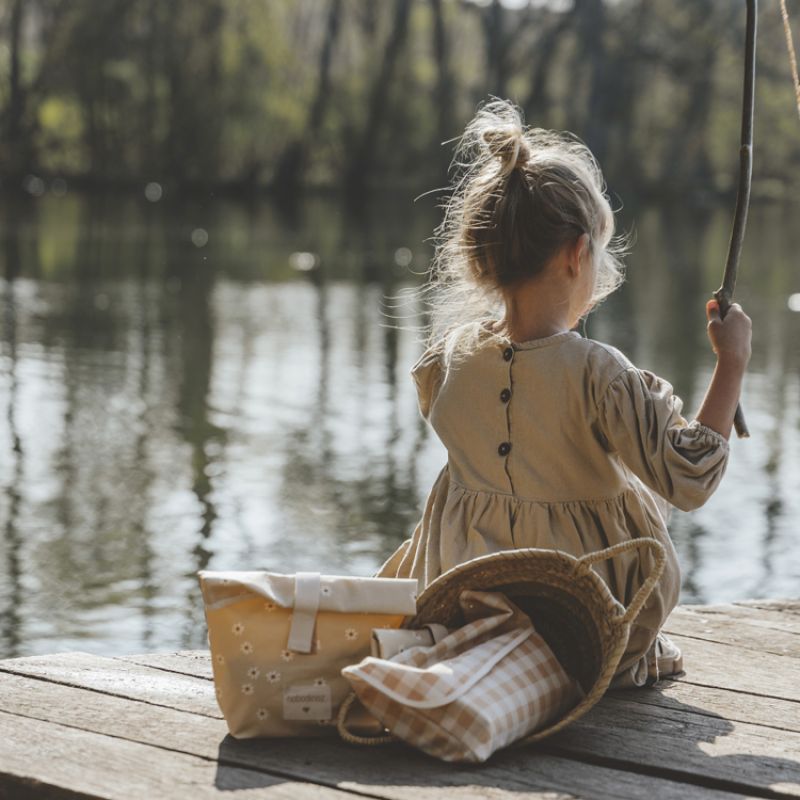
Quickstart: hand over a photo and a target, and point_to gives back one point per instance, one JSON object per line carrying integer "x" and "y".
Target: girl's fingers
{"x": 712, "y": 310}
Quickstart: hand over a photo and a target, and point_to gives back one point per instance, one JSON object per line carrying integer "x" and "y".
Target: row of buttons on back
{"x": 505, "y": 396}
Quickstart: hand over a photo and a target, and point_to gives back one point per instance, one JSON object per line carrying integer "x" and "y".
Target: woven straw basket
{"x": 570, "y": 605}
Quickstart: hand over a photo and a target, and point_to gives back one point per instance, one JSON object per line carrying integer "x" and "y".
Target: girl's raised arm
{"x": 730, "y": 339}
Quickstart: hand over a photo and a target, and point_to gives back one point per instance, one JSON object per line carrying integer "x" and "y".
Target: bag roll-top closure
{"x": 304, "y": 615}
{"x": 344, "y": 594}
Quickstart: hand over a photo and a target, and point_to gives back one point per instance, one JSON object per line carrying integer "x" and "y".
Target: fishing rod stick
{"x": 724, "y": 295}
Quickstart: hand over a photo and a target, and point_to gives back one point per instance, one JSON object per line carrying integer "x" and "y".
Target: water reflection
{"x": 169, "y": 407}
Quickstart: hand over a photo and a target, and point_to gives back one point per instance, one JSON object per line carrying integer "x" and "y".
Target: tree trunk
{"x": 363, "y": 155}
{"x": 292, "y": 164}
{"x": 592, "y": 51}
{"x": 443, "y": 95}
{"x": 537, "y": 103}
{"x": 16, "y": 104}
{"x": 496, "y": 49}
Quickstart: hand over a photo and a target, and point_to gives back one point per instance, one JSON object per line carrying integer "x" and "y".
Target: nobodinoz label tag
{"x": 307, "y": 702}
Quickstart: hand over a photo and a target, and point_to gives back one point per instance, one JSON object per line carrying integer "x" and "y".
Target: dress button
{"x": 505, "y": 395}
{"x": 508, "y": 353}
{"x": 504, "y": 448}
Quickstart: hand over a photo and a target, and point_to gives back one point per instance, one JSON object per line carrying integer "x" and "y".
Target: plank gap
{"x": 675, "y": 775}
{"x": 711, "y": 714}
{"x": 171, "y": 670}
{"x": 740, "y": 691}
{"x": 84, "y": 687}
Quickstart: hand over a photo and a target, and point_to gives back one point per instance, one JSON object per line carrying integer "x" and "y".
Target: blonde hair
{"x": 519, "y": 194}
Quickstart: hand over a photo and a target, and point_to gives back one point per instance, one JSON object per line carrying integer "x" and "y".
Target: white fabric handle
{"x": 304, "y": 614}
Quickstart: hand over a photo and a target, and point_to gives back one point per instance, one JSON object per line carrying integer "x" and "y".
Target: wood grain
{"x": 78, "y": 725}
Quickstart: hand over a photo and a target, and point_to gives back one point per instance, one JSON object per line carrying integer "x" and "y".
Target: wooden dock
{"x": 148, "y": 727}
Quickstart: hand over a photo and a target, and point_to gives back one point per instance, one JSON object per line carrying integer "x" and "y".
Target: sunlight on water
{"x": 221, "y": 388}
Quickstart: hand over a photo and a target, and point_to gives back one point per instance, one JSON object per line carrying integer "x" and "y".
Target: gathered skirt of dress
{"x": 459, "y": 524}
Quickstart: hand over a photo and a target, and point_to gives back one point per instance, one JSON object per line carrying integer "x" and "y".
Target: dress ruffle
{"x": 459, "y": 524}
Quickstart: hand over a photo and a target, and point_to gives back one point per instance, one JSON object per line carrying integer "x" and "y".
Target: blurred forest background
{"x": 350, "y": 94}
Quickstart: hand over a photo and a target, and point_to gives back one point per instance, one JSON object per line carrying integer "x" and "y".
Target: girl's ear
{"x": 576, "y": 255}
{"x": 583, "y": 248}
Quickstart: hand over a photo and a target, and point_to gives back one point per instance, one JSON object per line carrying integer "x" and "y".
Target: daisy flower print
{"x": 247, "y": 648}
{"x": 262, "y": 713}
{"x": 247, "y": 688}
{"x": 274, "y": 676}
{"x": 253, "y": 672}
{"x": 237, "y": 629}
{"x": 351, "y": 634}
{"x": 287, "y": 655}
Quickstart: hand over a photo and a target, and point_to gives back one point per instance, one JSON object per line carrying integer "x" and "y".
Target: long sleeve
{"x": 427, "y": 373}
{"x": 640, "y": 419}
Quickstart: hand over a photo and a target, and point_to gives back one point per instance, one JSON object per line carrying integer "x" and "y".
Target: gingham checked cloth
{"x": 480, "y": 688}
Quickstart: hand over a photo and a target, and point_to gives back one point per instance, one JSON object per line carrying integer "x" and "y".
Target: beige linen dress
{"x": 559, "y": 443}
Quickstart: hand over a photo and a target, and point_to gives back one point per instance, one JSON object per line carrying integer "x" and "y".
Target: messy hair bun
{"x": 519, "y": 195}
{"x": 508, "y": 145}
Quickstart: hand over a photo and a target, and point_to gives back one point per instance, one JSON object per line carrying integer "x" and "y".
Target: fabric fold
{"x": 639, "y": 417}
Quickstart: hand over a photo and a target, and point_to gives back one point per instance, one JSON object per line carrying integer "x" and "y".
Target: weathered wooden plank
{"x": 739, "y": 633}
{"x": 759, "y": 617}
{"x": 784, "y": 605}
{"x": 740, "y": 670}
{"x": 678, "y": 741}
{"x": 394, "y": 772}
{"x": 735, "y": 706}
{"x": 120, "y": 678}
{"x": 42, "y": 759}
{"x": 187, "y": 662}
{"x": 740, "y": 707}
{"x": 707, "y": 663}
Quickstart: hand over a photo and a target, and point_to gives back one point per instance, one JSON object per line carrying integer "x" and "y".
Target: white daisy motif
{"x": 351, "y": 633}
{"x": 247, "y": 688}
{"x": 219, "y": 658}
{"x": 287, "y": 655}
{"x": 319, "y": 682}
{"x": 262, "y": 713}
{"x": 253, "y": 672}
{"x": 247, "y": 648}
{"x": 237, "y": 629}
{"x": 270, "y": 606}
{"x": 274, "y": 676}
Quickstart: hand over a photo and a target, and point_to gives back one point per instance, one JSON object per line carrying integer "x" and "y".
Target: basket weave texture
{"x": 569, "y": 603}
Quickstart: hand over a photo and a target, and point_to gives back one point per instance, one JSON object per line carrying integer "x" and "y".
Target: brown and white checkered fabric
{"x": 482, "y": 687}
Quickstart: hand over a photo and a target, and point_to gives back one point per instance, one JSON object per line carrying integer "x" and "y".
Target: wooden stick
{"x": 792, "y": 57}
{"x": 724, "y": 294}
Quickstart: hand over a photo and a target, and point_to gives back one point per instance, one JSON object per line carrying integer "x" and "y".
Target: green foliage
{"x": 222, "y": 91}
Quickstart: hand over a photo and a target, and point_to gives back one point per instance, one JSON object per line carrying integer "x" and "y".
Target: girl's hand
{"x": 730, "y": 337}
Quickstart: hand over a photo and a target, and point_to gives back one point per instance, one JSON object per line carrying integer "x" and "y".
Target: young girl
{"x": 554, "y": 440}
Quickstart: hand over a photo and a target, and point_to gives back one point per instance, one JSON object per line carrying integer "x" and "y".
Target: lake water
{"x": 178, "y": 392}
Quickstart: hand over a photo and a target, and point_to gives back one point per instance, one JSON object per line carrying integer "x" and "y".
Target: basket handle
{"x": 647, "y": 587}
{"x": 353, "y": 738}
